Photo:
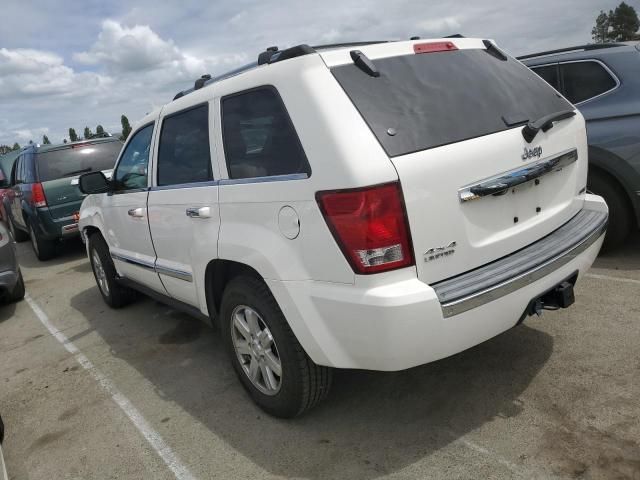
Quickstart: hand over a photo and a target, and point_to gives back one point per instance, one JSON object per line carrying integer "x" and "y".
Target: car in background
{"x": 44, "y": 198}
{"x": 11, "y": 282}
{"x": 603, "y": 81}
{"x": 6, "y": 164}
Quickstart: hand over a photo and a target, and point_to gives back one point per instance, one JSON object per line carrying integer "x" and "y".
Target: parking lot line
{"x": 615, "y": 279}
{"x": 163, "y": 450}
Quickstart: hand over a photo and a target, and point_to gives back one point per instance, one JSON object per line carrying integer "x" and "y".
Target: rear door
{"x": 58, "y": 170}
{"x": 450, "y": 115}
{"x": 125, "y": 212}
{"x": 183, "y": 203}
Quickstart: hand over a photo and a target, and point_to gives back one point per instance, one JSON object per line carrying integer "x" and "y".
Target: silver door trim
{"x": 171, "y": 272}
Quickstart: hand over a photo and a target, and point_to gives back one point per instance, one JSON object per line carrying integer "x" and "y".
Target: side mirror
{"x": 94, "y": 182}
{"x": 4, "y": 183}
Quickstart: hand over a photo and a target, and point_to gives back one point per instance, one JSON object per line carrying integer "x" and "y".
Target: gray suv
{"x": 603, "y": 81}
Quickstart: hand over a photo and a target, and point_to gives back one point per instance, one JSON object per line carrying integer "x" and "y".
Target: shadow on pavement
{"x": 627, "y": 257}
{"x": 372, "y": 423}
{"x": 72, "y": 249}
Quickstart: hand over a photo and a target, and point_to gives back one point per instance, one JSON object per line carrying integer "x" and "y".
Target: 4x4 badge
{"x": 531, "y": 153}
{"x": 440, "y": 252}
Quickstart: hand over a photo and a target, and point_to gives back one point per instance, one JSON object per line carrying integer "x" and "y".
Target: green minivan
{"x": 44, "y": 199}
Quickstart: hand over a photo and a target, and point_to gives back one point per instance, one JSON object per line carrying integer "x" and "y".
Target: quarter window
{"x": 549, "y": 73}
{"x": 585, "y": 80}
{"x": 183, "y": 155}
{"x": 258, "y": 136}
{"x": 131, "y": 172}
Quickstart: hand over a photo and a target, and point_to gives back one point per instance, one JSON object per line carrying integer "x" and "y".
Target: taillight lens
{"x": 37, "y": 195}
{"x": 370, "y": 226}
{"x": 432, "y": 47}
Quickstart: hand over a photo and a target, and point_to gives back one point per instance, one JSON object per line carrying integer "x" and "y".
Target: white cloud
{"x": 439, "y": 25}
{"x": 26, "y": 73}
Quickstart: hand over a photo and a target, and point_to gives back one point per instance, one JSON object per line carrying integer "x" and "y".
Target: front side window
{"x": 258, "y": 136}
{"x": 131, "y": 172}
{"x": 585, "y": 80}
{"x": 183, "y": 154}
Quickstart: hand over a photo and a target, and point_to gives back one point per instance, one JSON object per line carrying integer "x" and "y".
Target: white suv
{"x": 359, "y": 206}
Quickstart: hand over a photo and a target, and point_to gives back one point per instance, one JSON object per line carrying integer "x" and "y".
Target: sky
{"x": 75, "y": 64}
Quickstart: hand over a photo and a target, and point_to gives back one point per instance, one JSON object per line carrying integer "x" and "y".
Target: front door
{"x": 125, "y": 212}
{"x": 183, "y": 205}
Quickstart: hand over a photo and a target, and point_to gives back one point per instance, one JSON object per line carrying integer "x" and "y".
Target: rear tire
{"x": 18, "y": 235}
{"x": 301, "y": 384}
{"x": 17, "y": 293}
{"x": 620, "y": 216}
{"x": 43, "y": 248}
{"x": 113, "y": 293}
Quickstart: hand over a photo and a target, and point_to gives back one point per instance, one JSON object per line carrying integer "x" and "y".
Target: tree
{"x": 624, "y": 23}
{"x": 87, "y": 133}
{"x": 126, "y": 128}
{"x": 618, "y": 25}
{"x": 99, "y": 130}
{"x": 16, "y": 146}
{"x": 45, "y": 140}
{"x": 73, "y": 136}
{"x": 600, "y": 33}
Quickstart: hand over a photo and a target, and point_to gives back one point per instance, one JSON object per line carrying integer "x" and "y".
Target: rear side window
{"x": 183, "y": 155}
{"x": 585, "y": 80}
{"x": 426, "y": 100}
{"x": 258, "y": 136}
{"x": 549, "y": 73}
{"x": 77, "y": 159}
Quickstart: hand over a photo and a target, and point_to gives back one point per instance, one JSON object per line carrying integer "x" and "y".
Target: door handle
{"x": 136, "y": 212}
{"x": 199, "y": 212}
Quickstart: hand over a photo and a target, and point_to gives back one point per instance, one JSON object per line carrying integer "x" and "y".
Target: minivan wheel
{"x": 113, "y": 293}
{"x": 620, "y": 217}
{"x": 268, "y": 359}
{"x": 44, "y": 249}
{"x": 18, "y": 235}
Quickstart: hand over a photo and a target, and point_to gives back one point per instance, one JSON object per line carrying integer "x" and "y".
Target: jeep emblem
{"x": 531, "y": 153}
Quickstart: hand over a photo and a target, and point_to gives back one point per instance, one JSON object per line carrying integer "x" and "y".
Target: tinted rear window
{"x": 70, "y": 162}
{"x": 434, "y": 99}
{"x": 585, "y": 80}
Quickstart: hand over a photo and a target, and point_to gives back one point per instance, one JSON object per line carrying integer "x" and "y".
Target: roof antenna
{"x": 363, "y": 63}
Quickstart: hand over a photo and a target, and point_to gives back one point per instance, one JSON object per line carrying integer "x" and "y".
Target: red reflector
{"x": 37, "y": 195}
{"x": 434, "y": 47}
{"x": 370, "y": 226}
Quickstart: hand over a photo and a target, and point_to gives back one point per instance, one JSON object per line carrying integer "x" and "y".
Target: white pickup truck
{"x": 371, "y": 206}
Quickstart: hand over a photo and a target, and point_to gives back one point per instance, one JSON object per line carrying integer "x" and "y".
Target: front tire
{"x": 18, "y": 291}
{"x": 268, "y": 359}
{"x": 113, "y": 293}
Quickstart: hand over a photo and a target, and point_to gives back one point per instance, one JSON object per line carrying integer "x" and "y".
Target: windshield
{"x": 77, "y": 160}
{"x": 426, "y": 100}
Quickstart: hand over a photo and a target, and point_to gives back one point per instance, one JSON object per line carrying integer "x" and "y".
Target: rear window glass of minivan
{"x": 74, "y": 161}
{"x": 426, "y": 100}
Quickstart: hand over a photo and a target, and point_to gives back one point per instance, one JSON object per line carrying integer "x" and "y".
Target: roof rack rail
{"x": 270, "y": 55}
{"x": 587, "y": 47}
{"x": 348, "y": 44}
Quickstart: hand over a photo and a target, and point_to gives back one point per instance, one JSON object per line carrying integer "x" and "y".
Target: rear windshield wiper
{"x": 531, "y": 129}
{"x": 363, "y": 63}
{"x": 77, "y": 172}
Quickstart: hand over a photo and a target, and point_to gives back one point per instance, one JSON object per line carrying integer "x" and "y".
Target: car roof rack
{"x": 578, "y": 48}
{"x": 268, "y": 56}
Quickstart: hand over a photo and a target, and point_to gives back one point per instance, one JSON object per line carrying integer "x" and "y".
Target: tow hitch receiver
{"x": 559, "y": 297}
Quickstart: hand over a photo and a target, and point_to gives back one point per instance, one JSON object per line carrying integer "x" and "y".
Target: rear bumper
{"x": 402, "y": 322}
{"x": 54, "y": 228}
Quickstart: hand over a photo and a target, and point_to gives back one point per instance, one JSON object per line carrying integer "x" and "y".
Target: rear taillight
{"x": 370, "y": 226}
{"x": 37, "y": 195}
{"x": 432, "y": 47}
